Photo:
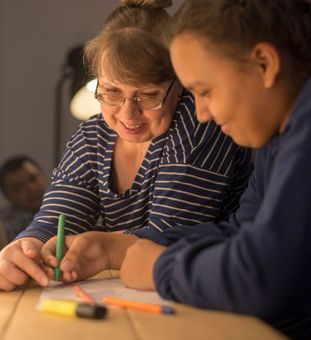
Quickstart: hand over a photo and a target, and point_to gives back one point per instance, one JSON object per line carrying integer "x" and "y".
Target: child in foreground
{"x": 248, "y": 65}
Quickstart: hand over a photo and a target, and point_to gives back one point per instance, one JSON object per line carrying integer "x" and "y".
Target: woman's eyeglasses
{"x": 143, "y": 102}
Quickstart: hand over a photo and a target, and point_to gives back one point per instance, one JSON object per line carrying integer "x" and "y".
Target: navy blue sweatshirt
{"x": 259, "y": 262}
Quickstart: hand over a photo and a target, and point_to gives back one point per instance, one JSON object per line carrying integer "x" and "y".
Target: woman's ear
{"x": 266, "y": 57}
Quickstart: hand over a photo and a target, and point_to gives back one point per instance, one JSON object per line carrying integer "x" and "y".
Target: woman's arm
{"x": 74, "y": 189}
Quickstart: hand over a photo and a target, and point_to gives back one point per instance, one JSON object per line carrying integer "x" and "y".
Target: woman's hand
{"x": 19, "y": 260}
{"x": 137, "y": 267}
{"x": 86, "y": 254}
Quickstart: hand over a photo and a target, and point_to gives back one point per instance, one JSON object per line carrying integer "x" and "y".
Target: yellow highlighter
{"x": 74, "y": 309}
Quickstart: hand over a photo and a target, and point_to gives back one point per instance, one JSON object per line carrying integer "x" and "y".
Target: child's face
{"x": 234, "y": 97}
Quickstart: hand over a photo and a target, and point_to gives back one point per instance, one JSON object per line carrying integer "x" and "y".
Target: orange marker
{"x": 83, "y": 295}
{"x": 144, "y": 307}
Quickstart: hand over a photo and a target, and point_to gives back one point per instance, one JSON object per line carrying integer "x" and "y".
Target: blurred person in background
{"x": 22, "y": 183}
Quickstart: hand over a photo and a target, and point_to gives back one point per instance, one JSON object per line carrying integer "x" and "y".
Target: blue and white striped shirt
{"x": 191, "y": 174}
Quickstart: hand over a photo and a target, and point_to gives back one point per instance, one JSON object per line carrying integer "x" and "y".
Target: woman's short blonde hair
{"x": 132, "y": 45}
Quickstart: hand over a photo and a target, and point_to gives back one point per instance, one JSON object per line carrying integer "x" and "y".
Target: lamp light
{"x": 83, "y": 104}
{"x": 81, "y": 96}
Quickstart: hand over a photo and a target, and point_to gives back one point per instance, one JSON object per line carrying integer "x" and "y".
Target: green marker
{"x": 59, "y": 246}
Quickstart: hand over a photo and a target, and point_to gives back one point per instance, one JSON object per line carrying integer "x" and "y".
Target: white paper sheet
{"x": 97, "y": 288}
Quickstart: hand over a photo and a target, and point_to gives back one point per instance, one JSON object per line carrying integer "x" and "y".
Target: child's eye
{"x": 204, "y": 93}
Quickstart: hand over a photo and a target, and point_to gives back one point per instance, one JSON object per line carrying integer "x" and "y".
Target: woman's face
{"x": 129, "y": 120}
{"x": 236, "y": 98}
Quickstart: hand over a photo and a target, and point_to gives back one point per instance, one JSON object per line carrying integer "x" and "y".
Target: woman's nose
{"x": 129, "y": 109}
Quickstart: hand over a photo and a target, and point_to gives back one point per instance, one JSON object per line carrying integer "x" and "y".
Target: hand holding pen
{"x": 61, "y": 255}
{"x": 53, "y": 251}
{"x": 84, "y": 255}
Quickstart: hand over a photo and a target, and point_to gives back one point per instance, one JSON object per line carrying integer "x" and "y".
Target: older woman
{"x": 144, "y": 164}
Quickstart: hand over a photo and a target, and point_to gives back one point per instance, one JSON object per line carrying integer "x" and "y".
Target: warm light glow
{"x": 83, "y": 104}
{"x": 91, "y": 85}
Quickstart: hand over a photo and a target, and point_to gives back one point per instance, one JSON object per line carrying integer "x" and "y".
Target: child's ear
{"x": 267, "y": 59}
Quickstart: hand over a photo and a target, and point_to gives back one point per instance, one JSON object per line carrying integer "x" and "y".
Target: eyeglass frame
{"x": 136, "y": 99}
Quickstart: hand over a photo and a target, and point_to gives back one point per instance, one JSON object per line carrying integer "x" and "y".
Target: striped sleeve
{"x": 73, "y": 190}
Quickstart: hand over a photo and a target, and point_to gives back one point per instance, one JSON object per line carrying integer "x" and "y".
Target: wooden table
{"x": 19, "y": 320}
